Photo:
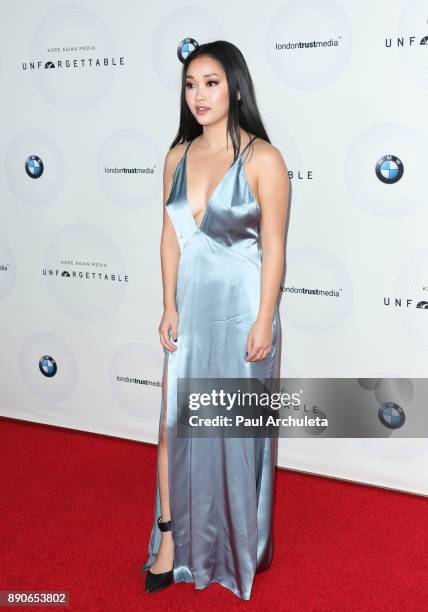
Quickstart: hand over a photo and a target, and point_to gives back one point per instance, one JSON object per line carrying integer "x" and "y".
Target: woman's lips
{"x": 201, "y": 110}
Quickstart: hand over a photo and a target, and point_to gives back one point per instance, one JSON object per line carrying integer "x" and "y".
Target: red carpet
{"x": 77, "y": 508}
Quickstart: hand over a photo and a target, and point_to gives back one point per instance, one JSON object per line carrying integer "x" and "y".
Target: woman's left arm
{"x": 273, "y": 192}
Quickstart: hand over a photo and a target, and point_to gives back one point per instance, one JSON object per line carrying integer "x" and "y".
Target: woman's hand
{"x": 259, "y": 342}
{"x": 169, "y": 321}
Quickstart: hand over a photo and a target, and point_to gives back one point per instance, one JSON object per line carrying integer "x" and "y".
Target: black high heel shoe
{"x": 157, "y": 582}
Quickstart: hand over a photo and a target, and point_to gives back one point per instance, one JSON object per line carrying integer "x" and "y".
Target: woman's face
{"x": 206, "y": 86}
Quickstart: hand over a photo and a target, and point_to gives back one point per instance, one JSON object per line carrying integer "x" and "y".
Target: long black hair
{"x": 243, "y": 113}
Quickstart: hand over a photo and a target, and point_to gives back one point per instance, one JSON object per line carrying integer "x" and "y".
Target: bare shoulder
{"x": 266, "y": 170}
{"x": 268, "y": 158}
{"x": 273, "y": 187}
{"x": 173, "y": 157}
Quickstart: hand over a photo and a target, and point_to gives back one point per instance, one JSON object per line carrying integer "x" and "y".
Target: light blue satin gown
{"x": 221, "y": 489}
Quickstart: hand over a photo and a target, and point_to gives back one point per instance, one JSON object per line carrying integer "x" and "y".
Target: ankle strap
{"x": 164, "y": 525}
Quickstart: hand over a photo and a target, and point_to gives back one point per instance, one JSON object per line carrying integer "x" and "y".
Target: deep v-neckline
{"x": 216, "y": 188}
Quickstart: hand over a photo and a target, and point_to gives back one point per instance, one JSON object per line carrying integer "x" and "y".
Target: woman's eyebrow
{"x": 189, "y": 76}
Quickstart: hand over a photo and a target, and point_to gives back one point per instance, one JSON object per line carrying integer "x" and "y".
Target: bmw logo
{"x": 185, "y": 48}
{"x": 389, "y": 169}
{"x": 47, "y": 366}
{"x": 34, "y": 166}
{"x": 391, "y": 415}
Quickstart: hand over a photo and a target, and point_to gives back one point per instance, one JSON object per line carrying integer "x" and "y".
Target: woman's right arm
{"x": 170, "y": 256}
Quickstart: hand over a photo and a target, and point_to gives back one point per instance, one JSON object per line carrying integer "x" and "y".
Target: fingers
{"x": 252, "y": 350}
{"x": 164, "y": 338}
{"x": 257, "y": 354}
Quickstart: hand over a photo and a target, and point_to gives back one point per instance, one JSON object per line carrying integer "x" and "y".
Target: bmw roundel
{"x": 34, "y": 166}
{"x": 389, "y": 169}
{"x": 391, "y": 415}
{"x": 48, "y": 366}
{"x": 185, "y": 48}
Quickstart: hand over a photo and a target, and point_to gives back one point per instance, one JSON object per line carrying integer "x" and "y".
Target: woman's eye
{"x": 208, "y": 82}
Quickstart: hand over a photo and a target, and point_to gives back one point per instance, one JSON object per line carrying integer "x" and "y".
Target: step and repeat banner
{"x": 90, "y": 105}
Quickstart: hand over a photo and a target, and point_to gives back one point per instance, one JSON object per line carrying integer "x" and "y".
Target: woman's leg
{"x": 165, "y": 556}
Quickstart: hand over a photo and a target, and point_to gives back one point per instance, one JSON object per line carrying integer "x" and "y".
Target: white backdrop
{"x": 90, "y": 103}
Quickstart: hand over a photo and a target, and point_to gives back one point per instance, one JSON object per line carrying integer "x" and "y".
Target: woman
{"x": 213, "y": 502}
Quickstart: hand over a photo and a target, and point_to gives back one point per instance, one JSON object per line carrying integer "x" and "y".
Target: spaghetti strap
{"x": 247, "y": 145}
{"x": 188, "y": 145}
{"x": 184, "y": 156}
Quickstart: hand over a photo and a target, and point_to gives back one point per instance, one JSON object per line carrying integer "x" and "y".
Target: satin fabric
{"x": 221, "y": 489}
